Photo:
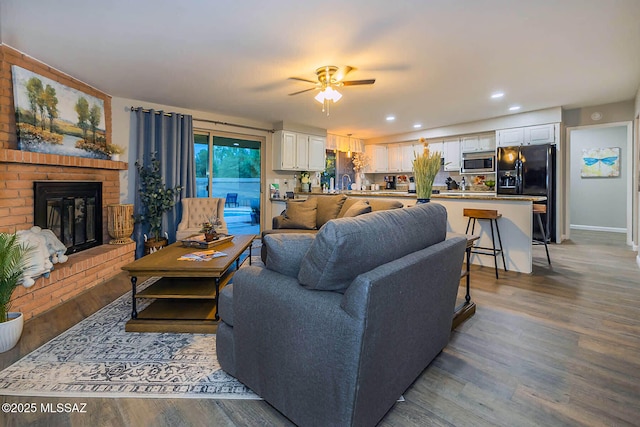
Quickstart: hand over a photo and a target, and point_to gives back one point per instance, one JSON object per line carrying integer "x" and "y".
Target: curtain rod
{"x": 215, "y": 122}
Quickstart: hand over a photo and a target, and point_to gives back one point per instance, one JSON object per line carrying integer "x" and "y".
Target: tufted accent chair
{"x": 195, "y": 211}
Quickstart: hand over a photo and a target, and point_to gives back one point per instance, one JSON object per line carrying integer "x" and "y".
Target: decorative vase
{"x": 210, "y": 236}
{"x": 420, "y": 201}
{"x": 115, "y": 157}
{"x": 358, "y": 181}
{"x": 120, "y": 223}
{"x": 10, "y": 331}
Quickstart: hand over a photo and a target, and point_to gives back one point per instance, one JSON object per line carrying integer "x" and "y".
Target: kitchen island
{"x": 515, "y": 225}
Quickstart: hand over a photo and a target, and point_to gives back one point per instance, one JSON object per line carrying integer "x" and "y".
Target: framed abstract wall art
{"x": 56, "y": 119}
{"x": 600, "y": 162}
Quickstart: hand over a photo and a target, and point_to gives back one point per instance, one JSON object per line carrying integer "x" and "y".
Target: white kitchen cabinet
{"x": 316, "y": 153}
{"x": 451, "y": 155}
{"x": 394, "y": 158}
{"x": 409, "y": 152}
{"x": 297, "y": 151}
{"x": 469, "y": 144}
{"x": 530, "y": 135}
{"x": 487, "y": 142}
{"x": 302, "y": 151}
{"x": 478, "y": 143}
{"x": 509, "y": 137}
{"x": 544, "y": 134}
{"x": 437, "y": 146}
{"x": 378, "y": 158}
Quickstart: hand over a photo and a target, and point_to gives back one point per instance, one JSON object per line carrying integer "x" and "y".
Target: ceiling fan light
{"x": 320, "y": 97}
{"x": 333, "y": 94}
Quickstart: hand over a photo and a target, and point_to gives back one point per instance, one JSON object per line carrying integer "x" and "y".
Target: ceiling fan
{"x": 328, "y": 81}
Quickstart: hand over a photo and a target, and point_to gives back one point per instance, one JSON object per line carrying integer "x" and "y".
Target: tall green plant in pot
{"x": 156, "y": 200}
{"x": 425, "y": 168}
{"x": 14, "y": 260}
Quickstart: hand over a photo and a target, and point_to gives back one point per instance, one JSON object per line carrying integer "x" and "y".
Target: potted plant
{"x": 425, "y": 168}
{"x": 209, "y": 228}
{"x": 114, "y": 152}
{"x": 14, "y": 259}
{"x": 156, "y": 200}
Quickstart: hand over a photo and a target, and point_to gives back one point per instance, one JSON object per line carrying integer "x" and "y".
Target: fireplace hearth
{"x": 72, "y": 210}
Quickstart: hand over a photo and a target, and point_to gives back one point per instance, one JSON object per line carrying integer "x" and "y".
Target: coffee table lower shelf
{"x": 180, "y": 316}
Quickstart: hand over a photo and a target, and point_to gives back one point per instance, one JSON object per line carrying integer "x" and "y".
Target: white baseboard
{"x": 597, "y": 228}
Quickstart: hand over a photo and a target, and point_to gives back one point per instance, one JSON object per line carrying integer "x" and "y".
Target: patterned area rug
{"x": 97, "y": 358}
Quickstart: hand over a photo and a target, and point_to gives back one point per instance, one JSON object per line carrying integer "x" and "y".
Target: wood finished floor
{"x": 558, "y": 347}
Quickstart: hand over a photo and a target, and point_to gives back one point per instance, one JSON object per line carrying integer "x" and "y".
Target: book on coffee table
{"x": 202, "y": 255}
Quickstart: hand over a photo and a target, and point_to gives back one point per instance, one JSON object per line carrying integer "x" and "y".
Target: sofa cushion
{"x": 358, "y": 208}
{"x": 347, "y": 247}
{"x": 286, "y": 250}
{"x": 346, "y": 205}
{"x": 300, "y": 214}
{"x": 384, "y": 205}
{"x": 328, "y": 207}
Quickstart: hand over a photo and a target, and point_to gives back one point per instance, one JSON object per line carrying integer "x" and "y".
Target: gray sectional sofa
{"x": 339, "y": 324}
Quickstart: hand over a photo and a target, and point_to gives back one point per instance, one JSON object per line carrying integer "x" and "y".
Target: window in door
{"x": 229, "y": 168}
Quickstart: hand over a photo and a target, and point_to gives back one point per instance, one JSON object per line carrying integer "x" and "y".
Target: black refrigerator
{"x": 530, "y": 170}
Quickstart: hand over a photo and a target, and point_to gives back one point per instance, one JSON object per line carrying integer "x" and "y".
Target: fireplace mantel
{"x": 28, "y": 157}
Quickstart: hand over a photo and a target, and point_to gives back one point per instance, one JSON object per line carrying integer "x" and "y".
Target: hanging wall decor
{"x": 600, "y": 162}
{"x": 56, "y": 119}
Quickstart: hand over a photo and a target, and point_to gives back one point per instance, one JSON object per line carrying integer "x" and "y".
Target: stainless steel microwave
{"x": 479, "y": 163}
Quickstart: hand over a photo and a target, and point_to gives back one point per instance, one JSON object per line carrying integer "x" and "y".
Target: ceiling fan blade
{"x": 342, "y": 74}
{"x": 303, "y": 91}
{"x": 303, "y": 80}
{"x": 358, "y": 82}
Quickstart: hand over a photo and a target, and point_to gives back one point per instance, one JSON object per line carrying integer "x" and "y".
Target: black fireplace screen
{"x": 72, "y": 210}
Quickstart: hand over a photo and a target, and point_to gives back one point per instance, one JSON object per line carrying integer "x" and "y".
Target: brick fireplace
{"x": 19, "y": 170}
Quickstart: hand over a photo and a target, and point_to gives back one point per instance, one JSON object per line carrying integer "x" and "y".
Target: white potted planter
{"x": 10, "y": 331}
{"x": 15, "y": 257}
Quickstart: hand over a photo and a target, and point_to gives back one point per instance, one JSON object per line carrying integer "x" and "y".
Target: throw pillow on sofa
{"x": 328, "y": 207}
{"x": 300, "y": 214}
{"x": 358, "y": 208}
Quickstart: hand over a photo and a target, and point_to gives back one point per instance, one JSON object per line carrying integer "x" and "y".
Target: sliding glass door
{"x": 229, "y": 167}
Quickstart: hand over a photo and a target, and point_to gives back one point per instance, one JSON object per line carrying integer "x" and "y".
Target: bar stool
{"x": 492, "y": 215}
{"x": 538, "y": 210}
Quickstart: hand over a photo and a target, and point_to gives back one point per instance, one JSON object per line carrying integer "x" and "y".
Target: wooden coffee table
{"x": 186, "y": 296}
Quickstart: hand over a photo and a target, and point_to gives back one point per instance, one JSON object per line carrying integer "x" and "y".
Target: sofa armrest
{"x": 292, "y": 344}
{"x": 276, "y": 222}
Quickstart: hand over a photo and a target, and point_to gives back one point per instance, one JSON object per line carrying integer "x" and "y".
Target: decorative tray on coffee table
{"x": 198, "y": 241}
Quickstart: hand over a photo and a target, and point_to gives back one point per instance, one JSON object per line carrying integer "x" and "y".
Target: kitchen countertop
{"x": 486, "y": 195}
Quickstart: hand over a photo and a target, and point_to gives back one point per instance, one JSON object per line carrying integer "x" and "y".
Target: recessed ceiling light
{"x": 417, "y": 126}
{"x": 514, "y": 108}
{"x": 391, "y": 118}
{"x": 497, "y": 95}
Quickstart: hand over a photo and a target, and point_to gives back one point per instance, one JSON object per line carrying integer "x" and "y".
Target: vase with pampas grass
{"x": 425, "y": 168}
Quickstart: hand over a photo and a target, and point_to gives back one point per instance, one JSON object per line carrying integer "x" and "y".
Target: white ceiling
{"x": 435, "y": 62}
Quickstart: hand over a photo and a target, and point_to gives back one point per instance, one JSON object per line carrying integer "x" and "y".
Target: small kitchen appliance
{"x": 390, "y": 182}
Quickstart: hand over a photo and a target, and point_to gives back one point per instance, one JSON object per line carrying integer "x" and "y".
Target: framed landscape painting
{"x": 56, "y": 119}
{"x": 600, "y": 162}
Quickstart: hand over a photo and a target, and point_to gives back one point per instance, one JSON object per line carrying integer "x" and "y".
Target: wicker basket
{"x": 120, "y": 223}
{"x": 152, "y": 245}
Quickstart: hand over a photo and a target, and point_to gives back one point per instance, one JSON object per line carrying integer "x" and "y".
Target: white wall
{"x": 598, "y": 203}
